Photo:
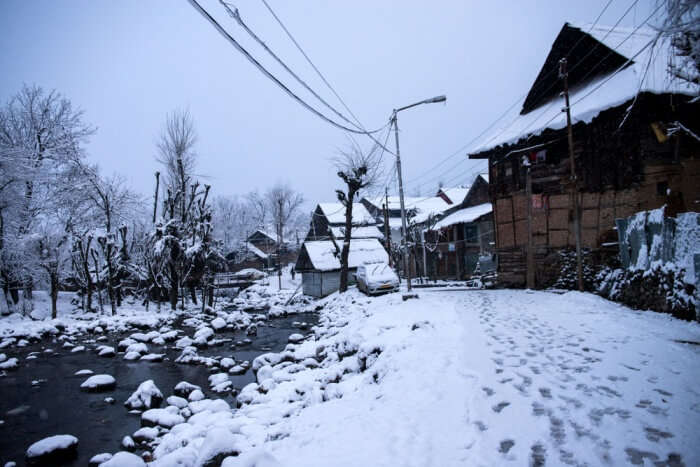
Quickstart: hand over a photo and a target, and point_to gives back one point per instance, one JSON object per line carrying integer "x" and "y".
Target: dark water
{"x": 58, "y": 406}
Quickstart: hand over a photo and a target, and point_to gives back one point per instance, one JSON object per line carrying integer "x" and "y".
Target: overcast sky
{"x": 127, "y": 63}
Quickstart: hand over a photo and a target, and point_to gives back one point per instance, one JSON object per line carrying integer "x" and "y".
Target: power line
{"x": 507, "y": 111}
{"x": 265, "y": 72}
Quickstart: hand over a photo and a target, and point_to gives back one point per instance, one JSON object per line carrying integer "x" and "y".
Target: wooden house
{"x": 635, "y": 148}
{"x": 319, "y": 263}
{"x": 462, "y": 234}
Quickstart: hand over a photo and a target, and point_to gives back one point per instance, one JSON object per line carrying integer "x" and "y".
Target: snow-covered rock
{"x": 146, "y": 396}
{"x": 153, "y": 357}
{"x": 218, "y": 324}
{"x": 196, "y": 395}
{"x": 128, "y": 442}
{"x": 131, "y": 356}
{"x": 237, "y": 370}
{"x": 78, "y": 348}
{"x": 10, "y": 364}
{"x": 106, "y": 351}
{"x": 161, "y": 417}
{"x": 145, "y": 434}
{"x": 183, "y": 388}
{"x": 124, "y": 459}
{"x": 99, "y": 383}
{"x": 295, "y": 338}
{"x": 53, "y": 450}
{"x": 99, "y": 459}
{"x": 83, "y": 372}
{"x": 177, "y": 401}
{"x": 138, "y": 347}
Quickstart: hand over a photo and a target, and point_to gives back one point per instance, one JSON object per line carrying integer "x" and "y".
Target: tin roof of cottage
{"x": 324, "y": 256}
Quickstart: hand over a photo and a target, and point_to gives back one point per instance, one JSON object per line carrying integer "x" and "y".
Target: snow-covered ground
{"x": 468, "y": 378}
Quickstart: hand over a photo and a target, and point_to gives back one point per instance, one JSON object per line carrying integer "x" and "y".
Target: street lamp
{"x": 404, "y": 230}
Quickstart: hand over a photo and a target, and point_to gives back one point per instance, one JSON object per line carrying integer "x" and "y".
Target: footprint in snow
{"x": 500, "y": 406}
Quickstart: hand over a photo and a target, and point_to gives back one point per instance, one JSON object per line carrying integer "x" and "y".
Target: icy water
{"x": 56, "y": 405}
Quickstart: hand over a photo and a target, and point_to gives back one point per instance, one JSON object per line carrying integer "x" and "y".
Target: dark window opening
{"x": 662, "y": 188}
{"x": 471, "y": 233}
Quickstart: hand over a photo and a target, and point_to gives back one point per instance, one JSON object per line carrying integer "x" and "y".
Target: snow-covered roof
{"x": 360, "y": 231}
{"x": 426, "y": 207}
{"x": 335, "y": 213}
{"x": 255, "y": 250}
{"x": 464, "y": 215}
{"x": 456, "y": 194}
{"x": 393, "y": 201}
{"x": 322, "y": 253}
{"x": 602, "y": 92}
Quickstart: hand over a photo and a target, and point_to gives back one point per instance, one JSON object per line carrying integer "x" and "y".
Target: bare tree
{"x": 358, "y": 170}
{"x": 283, "y": 204}
{"x": 176, "y": 153}
{"x": 682, "y": 26}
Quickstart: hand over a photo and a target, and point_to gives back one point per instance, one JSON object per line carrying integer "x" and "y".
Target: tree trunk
{"x": 345, "y": 252}
{"x": 54, "y": 294}
{"x": 174, "y": 284}
{"x": 193, "y": 295}
{"x": 97, "y": 278}
{"x": 110, "y": 280}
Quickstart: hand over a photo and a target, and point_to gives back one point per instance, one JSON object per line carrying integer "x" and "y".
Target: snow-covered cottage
{"x": 635, "y": 148}
{"x": 319, "y": 257}
{"x": 319, "y": 263}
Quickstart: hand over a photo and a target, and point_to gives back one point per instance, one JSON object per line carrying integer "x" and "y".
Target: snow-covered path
{"x": 499, "y": 378}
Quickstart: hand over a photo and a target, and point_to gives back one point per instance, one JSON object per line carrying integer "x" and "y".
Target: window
{"x": 662, "y": 188}
{"x": 471, "y": 233}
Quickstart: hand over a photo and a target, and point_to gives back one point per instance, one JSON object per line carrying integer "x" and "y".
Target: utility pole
{"x": 425, "y": 260}
{"x": 530, "y": 278}
{"x": 155, "y": 197}
{"x": 387, "y": 229}
{"x": 404, "y": 231}
{"x": 563, "y": 73}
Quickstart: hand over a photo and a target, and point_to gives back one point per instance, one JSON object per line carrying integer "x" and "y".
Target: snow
{"x": 423, "y": 208}
{"x": 146, "y": 396}
{"x": 162, "y": 417}
{"x": 335, "y": 213}
{"x": 464, "y": 215}
{"x": 99, "y": 382}
{"x": 51, "y": 444}
{"x": 465, "y": 378}
{"x": 322, "y": 253}
{"x": 124, "y": 459}
{"x": 360, "y": 231}
{"x": 619, "y": 89}
{"x": 456, "y": 194}
{"x": 255, "y": 250}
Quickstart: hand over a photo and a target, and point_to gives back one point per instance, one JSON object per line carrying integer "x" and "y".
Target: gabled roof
{"x": 456, "y": 194}
{"x": 323, "y": 255}
{"x": 256, "y": 251}
{"x": 607, "y": 68}
{"x": 335, "y": 213}
{"x": 464, "y": 216}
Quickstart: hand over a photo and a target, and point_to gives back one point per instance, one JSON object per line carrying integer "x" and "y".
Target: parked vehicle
{"x": 376, "y": 278}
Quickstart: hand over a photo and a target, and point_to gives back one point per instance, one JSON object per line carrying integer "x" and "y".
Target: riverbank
{"x": 470, "y": 378}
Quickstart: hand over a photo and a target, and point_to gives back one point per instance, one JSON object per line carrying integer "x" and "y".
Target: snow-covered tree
{"x": 283, "y": 204}
{"x": 41, "y": 134}
{"x": 358, "y": 170}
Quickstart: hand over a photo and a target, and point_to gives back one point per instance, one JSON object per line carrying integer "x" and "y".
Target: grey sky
{"x": 127, "y": 63}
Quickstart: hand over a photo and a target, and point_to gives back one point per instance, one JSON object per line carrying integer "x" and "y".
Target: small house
{"x": 319, "y": 263}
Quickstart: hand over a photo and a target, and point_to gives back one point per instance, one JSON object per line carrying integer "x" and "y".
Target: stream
{"x": 43, "y": 397}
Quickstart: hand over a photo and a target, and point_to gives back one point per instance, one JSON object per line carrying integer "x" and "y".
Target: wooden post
{"x": 456, "y": 242}
{"x": 155, "y": 197}
{"x": 530, "y": 277}
{"x": 387, "y": 229}
{"x": 574, "y": 184}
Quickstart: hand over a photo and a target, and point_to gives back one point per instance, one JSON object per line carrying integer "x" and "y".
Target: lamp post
{"x": 404, "y": 231}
